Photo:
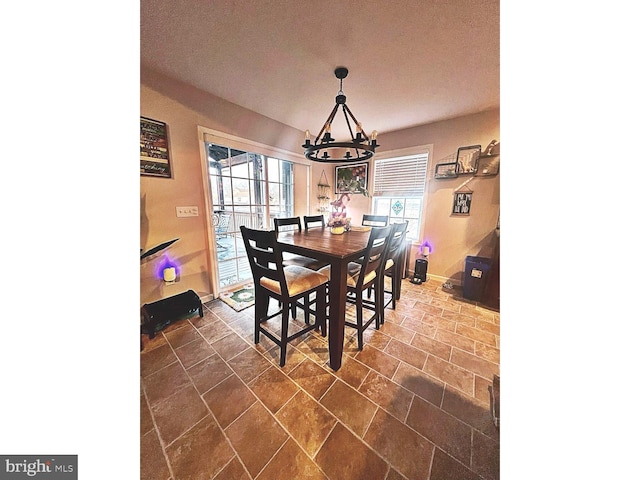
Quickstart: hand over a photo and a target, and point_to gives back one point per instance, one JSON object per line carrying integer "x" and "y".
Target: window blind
{"x": 400, "y": 176}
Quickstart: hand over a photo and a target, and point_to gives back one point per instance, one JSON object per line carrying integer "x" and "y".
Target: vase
{"x": 339, "y": 230}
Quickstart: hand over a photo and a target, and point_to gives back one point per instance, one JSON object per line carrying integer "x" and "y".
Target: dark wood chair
{"x": 282, "y": 224}
{"x": 293, "y": 223}
{"x": 286, "y": 284}
{"x": 393, "y": 265}
{"x": 375, "y": 220}
{"x": 365, "y": 274}
{"x": 312, "y": 221}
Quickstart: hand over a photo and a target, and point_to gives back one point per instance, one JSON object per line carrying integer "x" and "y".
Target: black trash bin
{"x": 476, "y": 271}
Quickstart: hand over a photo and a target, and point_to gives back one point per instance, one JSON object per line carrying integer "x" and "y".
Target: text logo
{"x": 39, "y": 467}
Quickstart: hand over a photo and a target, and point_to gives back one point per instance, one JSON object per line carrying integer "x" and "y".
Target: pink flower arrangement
{"x": 338, "y": 216}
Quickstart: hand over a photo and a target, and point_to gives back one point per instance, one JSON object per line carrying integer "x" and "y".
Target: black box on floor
{"x": 475, "y": 277}
{"x": 158, "y": 315}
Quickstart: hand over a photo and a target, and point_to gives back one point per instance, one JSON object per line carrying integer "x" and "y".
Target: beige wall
{"x": 185, "y": 108}
{"x": 455, "y": 237}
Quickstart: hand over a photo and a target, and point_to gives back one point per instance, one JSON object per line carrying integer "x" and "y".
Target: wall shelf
{"x": 488, "y": 165}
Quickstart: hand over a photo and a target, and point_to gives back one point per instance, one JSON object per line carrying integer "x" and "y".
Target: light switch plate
{"x": 186, "y": 211}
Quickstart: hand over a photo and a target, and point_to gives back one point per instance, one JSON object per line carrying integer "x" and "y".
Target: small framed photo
{"x": 467, "y": 159}
{"x": 462, "y": 203}
{"x": 352, "y": 179}
{"x": 488, "y": 165}
{"x": 154, "y": 148}
{"x": 446, "y": 170}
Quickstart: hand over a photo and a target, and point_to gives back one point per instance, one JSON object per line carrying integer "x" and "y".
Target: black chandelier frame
{"x": 360, "y": 148}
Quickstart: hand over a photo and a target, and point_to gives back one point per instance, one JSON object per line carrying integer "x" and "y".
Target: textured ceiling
{"x": 410, "y": 62}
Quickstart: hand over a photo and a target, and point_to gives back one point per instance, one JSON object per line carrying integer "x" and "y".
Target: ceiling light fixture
{"x": 326, "y": 149}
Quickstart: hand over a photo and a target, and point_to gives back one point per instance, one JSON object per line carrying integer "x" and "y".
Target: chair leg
{"x": 261, "y": 310}
{"x": 256, "y": 333}
{"x": 284, "y": 336}
{"x": 394, "y": 287}
{"x": 399, "y": 283}
{"x": 307, "y": 305}
{"x": 380, "y": 303}
{"x": 321, "y": 311}
{"x": 359, "y": 320}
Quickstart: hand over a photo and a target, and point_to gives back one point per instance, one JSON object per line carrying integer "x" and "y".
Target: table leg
{"x": 337, "y": 310}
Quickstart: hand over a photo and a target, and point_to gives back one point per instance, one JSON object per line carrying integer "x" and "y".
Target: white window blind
{"x": 400, "y": 176}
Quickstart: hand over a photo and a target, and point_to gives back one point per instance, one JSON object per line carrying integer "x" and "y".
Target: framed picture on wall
{"x": 467, "y": 159}
{"x": 154, "y": 148}
{"x": 462, "y": 203}
{"x": 352, "y": 179}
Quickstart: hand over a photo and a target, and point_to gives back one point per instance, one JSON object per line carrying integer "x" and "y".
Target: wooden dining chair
{"x": 293, "y": 223}
{"x": 375, "y": 220}
{"x": 312, "y": 221}
{"x": 361, "y": 276}
{"x": 286, "y": 284}
{"x": 393, "y": 266}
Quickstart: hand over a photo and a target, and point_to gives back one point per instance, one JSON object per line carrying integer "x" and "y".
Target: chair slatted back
{"x": 265, "y": 256}
{"x": 312, "y": 220}
{"x": 287, "y": 223}
{"x": 399, "y": 231}
{"x": 375, "y": 255}
{"x": 375, "y": 220}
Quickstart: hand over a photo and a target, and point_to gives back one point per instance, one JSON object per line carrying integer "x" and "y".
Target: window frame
{"x": 415, "y": 231}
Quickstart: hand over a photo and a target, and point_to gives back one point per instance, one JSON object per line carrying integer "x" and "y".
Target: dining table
{"x": 337, "y": 250}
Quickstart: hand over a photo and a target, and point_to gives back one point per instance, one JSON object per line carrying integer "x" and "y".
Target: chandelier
{"x": 326, "y": 149}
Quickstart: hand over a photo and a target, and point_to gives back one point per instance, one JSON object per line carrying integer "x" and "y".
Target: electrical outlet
{"x": 186, "y": 211}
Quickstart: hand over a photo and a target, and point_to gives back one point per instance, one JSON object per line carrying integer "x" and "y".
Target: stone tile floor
{"x": 413, "y": 404}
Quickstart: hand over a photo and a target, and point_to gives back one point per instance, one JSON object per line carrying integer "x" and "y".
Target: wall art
{"x": 352, "y": 179}
{"x": 467, "y": 159}
{"x": 154, "y": 148}
{"x": 461, "y": 203}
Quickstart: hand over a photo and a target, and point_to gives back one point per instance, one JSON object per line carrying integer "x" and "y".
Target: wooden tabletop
{"x": 320, "y": 243}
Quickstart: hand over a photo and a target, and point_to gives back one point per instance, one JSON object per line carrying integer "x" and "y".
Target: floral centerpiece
{"x": 338, "y": 219}
{"x": 349, "y": 181}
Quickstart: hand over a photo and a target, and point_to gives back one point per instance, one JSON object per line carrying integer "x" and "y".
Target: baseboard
{"x": 206, "y": 298}
{"x": 438, "y": 278}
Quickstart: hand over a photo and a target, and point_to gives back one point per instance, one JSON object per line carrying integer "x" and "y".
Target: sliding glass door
{"x": 246, "y": 189}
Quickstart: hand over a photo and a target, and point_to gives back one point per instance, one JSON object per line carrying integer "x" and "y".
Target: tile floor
{"x": 413, "y": 404}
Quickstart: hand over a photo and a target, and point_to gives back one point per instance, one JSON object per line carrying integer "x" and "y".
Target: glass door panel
{"x": 246, "y": 189}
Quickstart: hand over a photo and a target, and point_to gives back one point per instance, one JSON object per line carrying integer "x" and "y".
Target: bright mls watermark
{"x": 44, "y": 467}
